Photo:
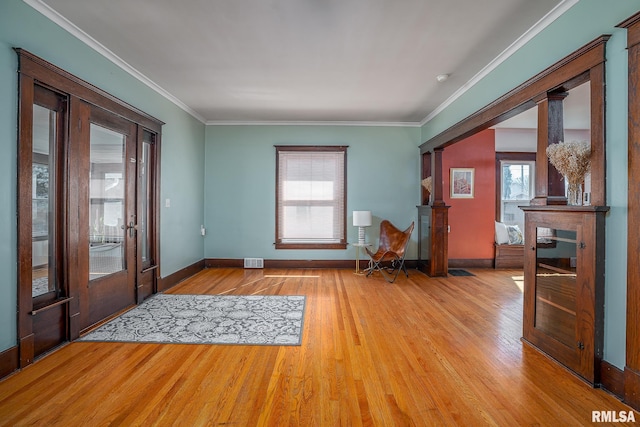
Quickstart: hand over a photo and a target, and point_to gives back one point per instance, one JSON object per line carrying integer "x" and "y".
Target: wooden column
{"x": 632, "y": 366}
{"x": 549, "y": 182}
{"x": 439, "y": 265}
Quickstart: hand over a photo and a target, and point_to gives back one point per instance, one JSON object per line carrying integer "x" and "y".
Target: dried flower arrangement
{"x": 427, "y": 184}
{"x": 573, "y": 160}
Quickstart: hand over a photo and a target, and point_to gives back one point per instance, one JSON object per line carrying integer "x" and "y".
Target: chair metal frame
{"x": 392, "y": 248}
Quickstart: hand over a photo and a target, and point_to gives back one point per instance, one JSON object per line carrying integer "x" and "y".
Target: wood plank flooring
{"x": 421, "y": 351}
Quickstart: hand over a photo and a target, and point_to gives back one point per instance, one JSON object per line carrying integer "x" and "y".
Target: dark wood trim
{"x": 632, "y": 368}
{"x": 173, "y": 279}
{"x": 471, "y": 263}
{"x": 310, "y": 246}
{"x": 342, "y": 244}
{"x": 522, "y": 97}
{"x": 612, "y": 379}
{"x": 439, "y": 261}
{"x": 508, "y": 156}
{"x": 549, "y": 183}
{"x": 598, "y": 136}
{"x": 633, "y": 35}
{"x": 25, "y": 148}
{"x": 632, "y": 388}
{"x": 157, "y": 179}
{"x": 223, "y": 263}
{"x": 9, "y": 361}
{"x": 41, "y": 70}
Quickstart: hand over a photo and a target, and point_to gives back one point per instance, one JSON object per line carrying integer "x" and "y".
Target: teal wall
{"x": 224, "y": 176}
{"x": 382, "y": 176}
{"x": 569, "y": 32}
{"x": 182, "y": 145}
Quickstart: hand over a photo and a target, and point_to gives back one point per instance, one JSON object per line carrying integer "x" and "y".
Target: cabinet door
{"x": 560, "y": 288}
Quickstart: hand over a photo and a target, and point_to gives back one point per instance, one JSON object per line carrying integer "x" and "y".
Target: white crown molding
{"x": 67, "y": 25}
{"x": 101, "y": 49}
{"x": 543, "y": 23}
{"x": 319, "y": 123}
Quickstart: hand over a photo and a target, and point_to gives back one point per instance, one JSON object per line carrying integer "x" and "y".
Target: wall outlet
{"x": 167, "y": 203}
{"x": 203, "y": 230}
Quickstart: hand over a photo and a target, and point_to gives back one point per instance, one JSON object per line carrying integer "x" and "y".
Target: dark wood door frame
{"x": 632, "y": 367}
{"x": 34, "y": 72}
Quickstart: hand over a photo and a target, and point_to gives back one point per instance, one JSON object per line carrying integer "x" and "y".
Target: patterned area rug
{"x": 208, "y": 319}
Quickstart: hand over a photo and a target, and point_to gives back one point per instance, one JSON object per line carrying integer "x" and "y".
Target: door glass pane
{"x": 145, "y": 197}
{"x": 106, "y": 202}
{"x": 556, "y": 286}
{"x": 43, "y": 200}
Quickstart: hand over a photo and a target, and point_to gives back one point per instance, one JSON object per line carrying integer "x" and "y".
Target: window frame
{"x": 521, "y": 202}
{"x": 510, "y": 157}
{"x": 342, "y": 243}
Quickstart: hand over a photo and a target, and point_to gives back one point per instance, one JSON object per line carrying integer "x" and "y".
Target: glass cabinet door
{"x": 564, "y": 285}
{"x": 556, "y": 284}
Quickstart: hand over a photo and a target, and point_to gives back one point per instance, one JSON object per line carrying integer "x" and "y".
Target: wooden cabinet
{"x": 564, "y": 285}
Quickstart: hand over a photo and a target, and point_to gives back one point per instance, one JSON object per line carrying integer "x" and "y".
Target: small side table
{"x": 358, "y": 246}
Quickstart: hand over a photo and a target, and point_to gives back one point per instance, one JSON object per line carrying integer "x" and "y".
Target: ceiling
{"x": 363, "y": 61}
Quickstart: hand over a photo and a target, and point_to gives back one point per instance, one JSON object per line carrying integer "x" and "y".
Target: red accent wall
{"x": 472, "y": 220}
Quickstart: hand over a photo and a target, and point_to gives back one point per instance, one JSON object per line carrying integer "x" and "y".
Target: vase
{"x": 574, "y": 194}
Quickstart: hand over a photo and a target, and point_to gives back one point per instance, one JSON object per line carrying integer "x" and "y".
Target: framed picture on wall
{"x": 462, "y": 183}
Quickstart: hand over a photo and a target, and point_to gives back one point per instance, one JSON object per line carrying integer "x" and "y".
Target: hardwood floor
{"x": 421, "y": 351}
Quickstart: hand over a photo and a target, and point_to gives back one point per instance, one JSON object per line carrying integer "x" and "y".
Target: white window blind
{"x": 310, "y": 196}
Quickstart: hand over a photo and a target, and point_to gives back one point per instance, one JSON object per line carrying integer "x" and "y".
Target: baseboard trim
{"x": 471, "y": 263}
{"x": 171, "y": 280}
{"x": 9, "y": 360}
{"x": 612, "y": 379}
{"x": 632, "y": 388}
{"x": 295, "y": 263}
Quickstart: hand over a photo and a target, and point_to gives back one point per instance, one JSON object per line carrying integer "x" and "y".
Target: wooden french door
{"x": 107, "y": 213}
{"x": 88, "y": 169}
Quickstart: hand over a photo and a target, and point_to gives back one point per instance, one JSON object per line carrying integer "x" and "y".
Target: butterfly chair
{"x": 389, "y": 258}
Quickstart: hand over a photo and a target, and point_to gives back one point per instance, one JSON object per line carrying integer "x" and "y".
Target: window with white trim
{"x": 517, "y": 189}
{"x": 311, "y": 197}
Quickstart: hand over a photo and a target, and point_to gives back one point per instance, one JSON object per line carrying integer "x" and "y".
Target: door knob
{"x": 131, "y": 227}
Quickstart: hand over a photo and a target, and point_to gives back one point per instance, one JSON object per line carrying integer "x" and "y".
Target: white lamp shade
{"x": 361, "y": 218}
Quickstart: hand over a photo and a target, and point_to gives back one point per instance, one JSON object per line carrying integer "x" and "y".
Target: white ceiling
{"x": 305, "y": 60}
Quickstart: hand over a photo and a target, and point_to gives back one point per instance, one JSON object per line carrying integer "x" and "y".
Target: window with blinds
{"x": 310, "y": 197}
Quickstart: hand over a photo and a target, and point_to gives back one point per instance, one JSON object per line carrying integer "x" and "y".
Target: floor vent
{"x": 253, "y": 263}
